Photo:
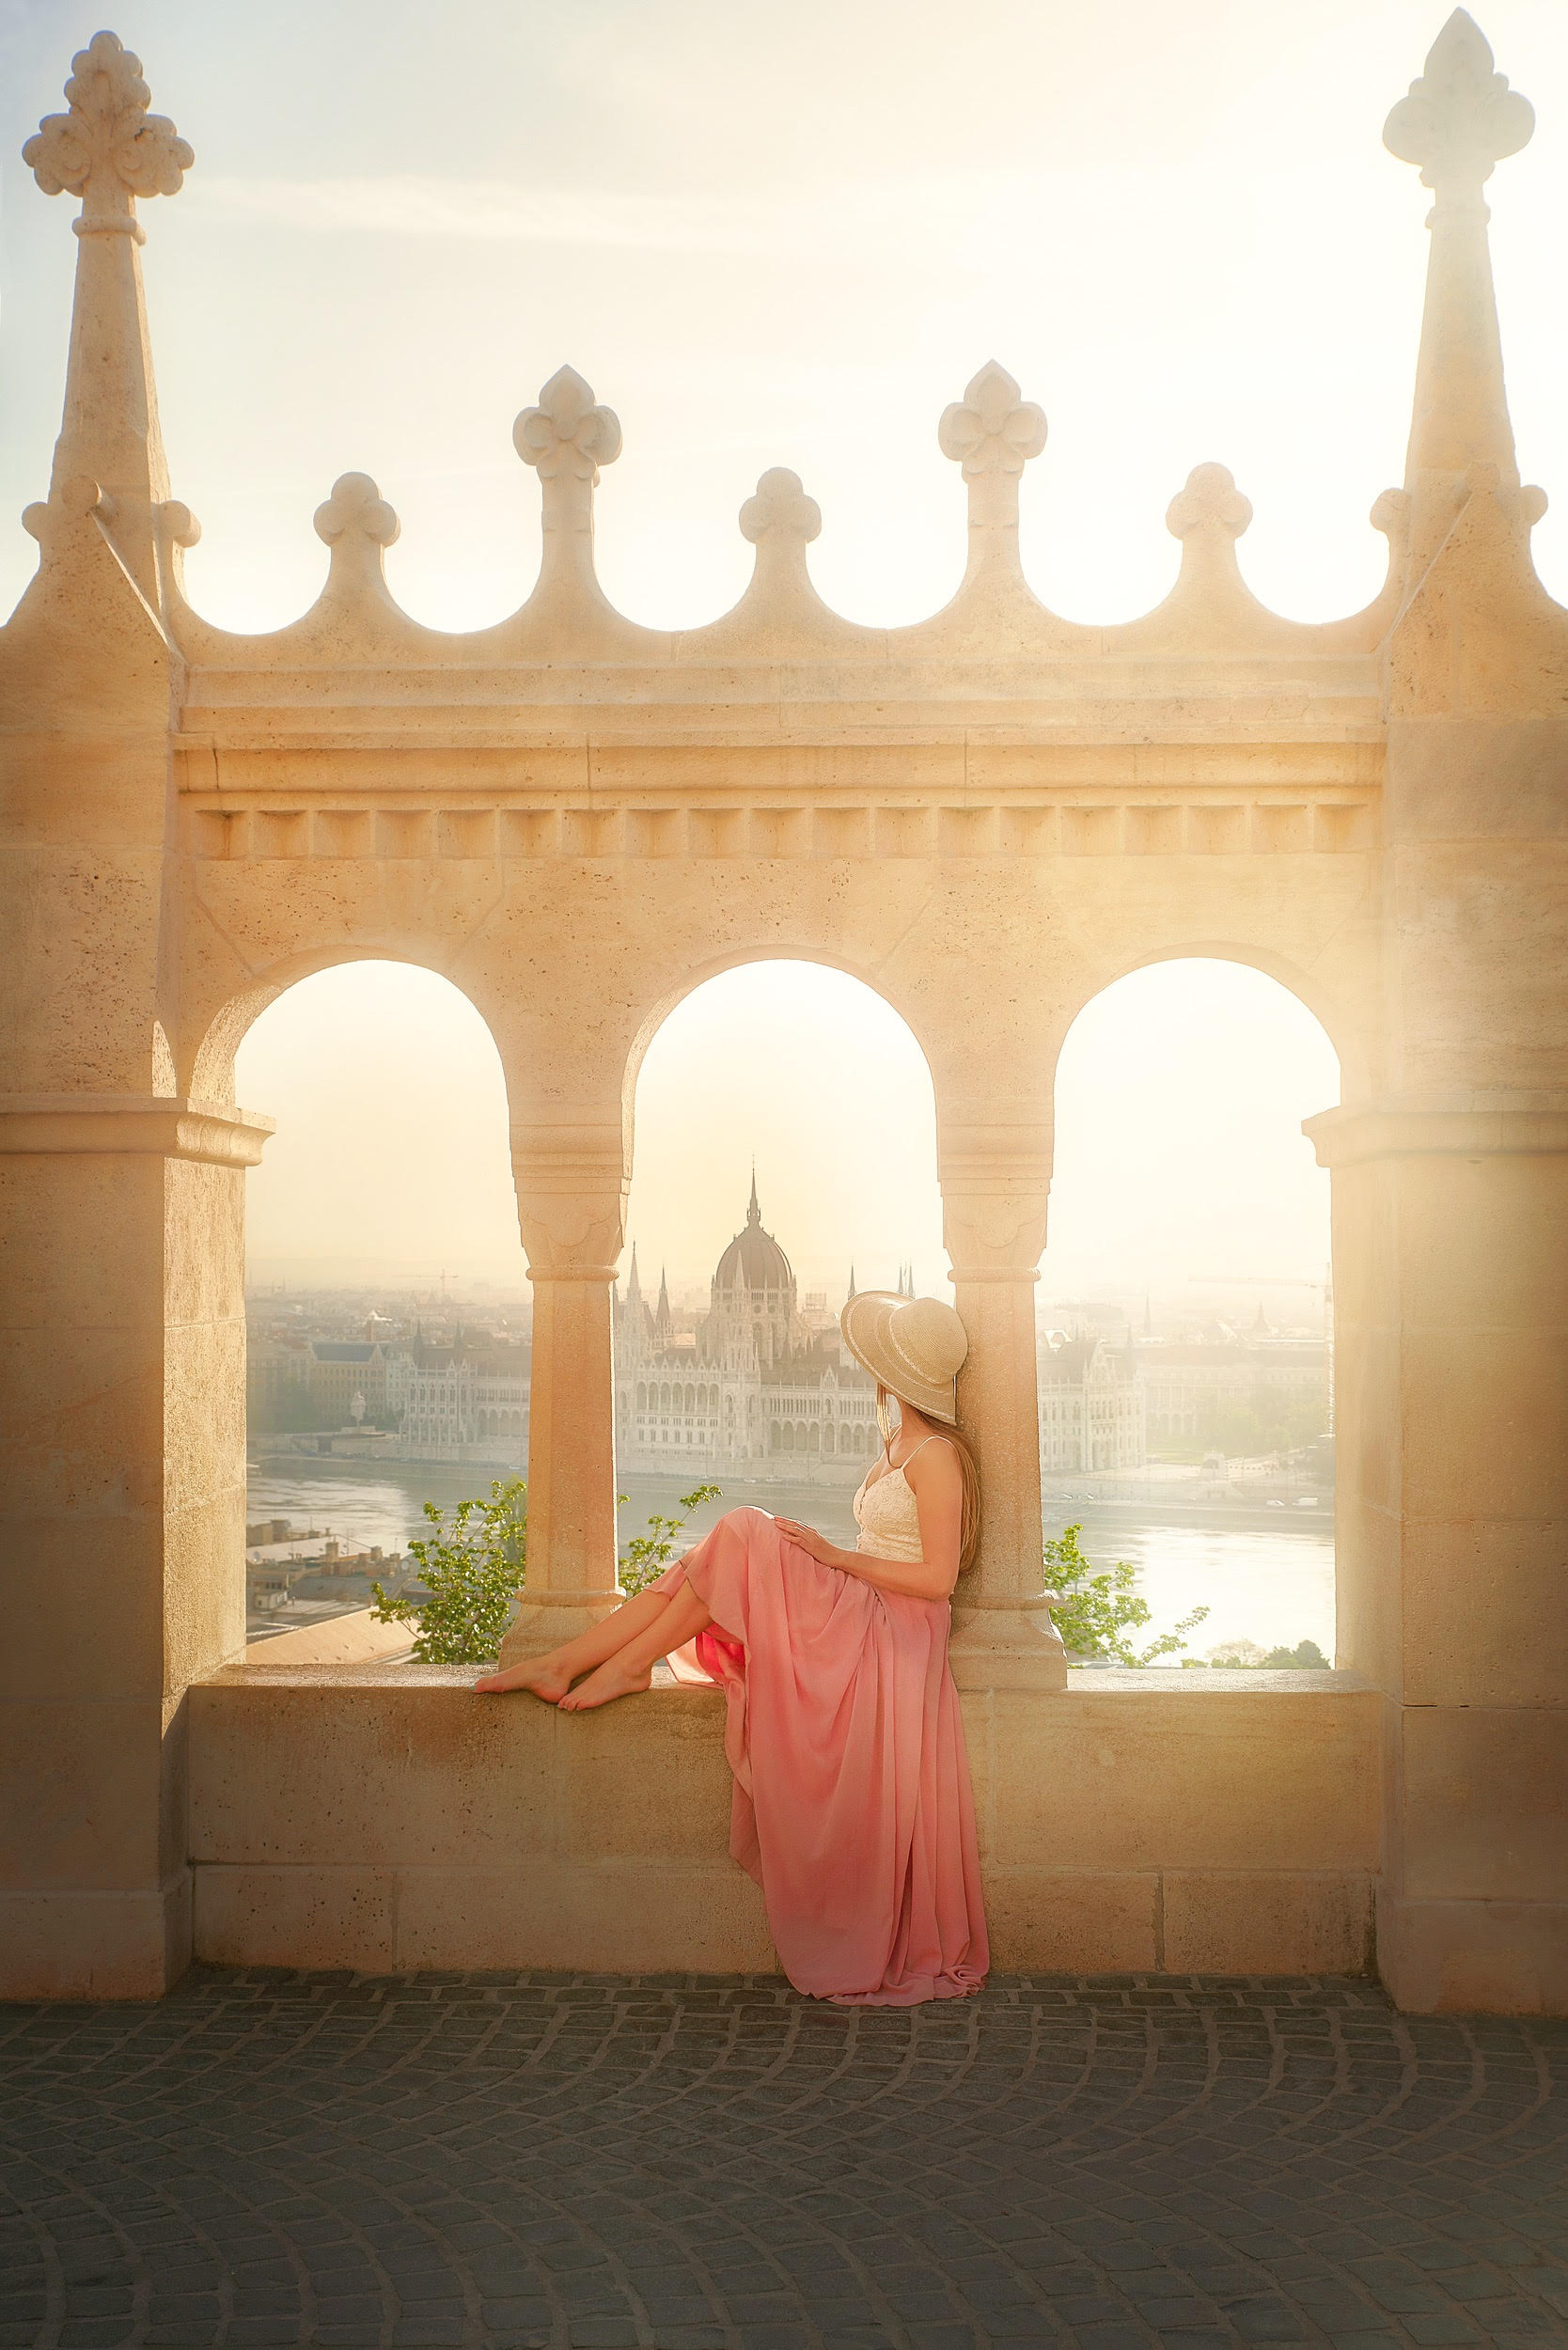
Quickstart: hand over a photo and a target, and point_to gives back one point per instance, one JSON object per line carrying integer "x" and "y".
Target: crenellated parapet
{"x": 1210, "y": 643}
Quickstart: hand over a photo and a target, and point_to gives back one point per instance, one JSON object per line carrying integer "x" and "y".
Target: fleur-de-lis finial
{"x": 1460, "y": 118}
{"x": 780, "y": 510}
{"x": 993, "y": 428}
{"x": 359, "y": 526}
{"x": 358, "y": 509}
{"x": 566, "y": 439}
{"x": 780, "y": 521}
{"x": 108, "y": 150}
{"x": 991, "y": 432}
{"x": 568, "y": 433}
{"x": 1211, "y": 502}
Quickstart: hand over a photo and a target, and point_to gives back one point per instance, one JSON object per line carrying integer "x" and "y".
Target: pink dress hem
{"x": 852, "y": 1806}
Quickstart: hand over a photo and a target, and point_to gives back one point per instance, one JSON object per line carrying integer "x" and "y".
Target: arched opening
{"x": 1186, "y": 1322}
{"x": 785, "y": 1145}
{"x": 388, "y": 1316}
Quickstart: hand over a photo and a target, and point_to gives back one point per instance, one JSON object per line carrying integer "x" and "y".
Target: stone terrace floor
{"x": 675, "y": 2164}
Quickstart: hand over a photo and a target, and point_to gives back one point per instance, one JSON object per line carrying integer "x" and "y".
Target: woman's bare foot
{"x": 540, "y": 1675}
{"x": 615, "y": 1678}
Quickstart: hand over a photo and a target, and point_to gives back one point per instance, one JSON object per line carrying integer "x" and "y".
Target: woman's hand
{"x": 808, "y": 1539}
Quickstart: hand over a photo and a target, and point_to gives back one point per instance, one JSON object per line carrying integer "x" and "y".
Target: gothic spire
{"x": 109, "y": 151}
{"x": 754, "y": 1213}
{"x": 1459, "y": 120}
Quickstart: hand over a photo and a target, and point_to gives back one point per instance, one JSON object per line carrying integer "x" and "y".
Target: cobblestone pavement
{"x": 582, "y": 2164}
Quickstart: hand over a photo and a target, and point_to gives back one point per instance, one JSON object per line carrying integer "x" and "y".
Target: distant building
{"x": 341, "y": 1369}
{"x": 1194, "y": 1388}
{"x": 1092, "y": 1406}
{"x": 761, "y": 1382}
{"x": 277, "y": 1377}
{"x": 466, "y": 1403}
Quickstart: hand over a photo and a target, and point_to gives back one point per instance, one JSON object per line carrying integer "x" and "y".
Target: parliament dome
{"x": 754, "y": 1259}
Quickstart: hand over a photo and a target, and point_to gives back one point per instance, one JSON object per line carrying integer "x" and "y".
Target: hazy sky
{"x": 1180, "y": 1096}
{"x": 785, "y": 236}
{"x": 782, "y": 235}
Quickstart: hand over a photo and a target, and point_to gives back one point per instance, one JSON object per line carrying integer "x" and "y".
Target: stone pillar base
{"x": 1474, "y": 1957}
{"x": 541, "y": 1625}
{"x": 67, "y": 1944}
{"x": 1009, "y": 1646}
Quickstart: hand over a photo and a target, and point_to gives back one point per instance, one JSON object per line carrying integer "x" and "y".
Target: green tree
{"x": 1098, "y": 1606}
{"x": 473, "y": 1569}
{"x": 645, "y": 1556}
{"x": 475, "y": 1566}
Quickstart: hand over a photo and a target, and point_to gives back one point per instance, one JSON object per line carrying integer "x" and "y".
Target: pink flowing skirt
{"x": 851, "y": 1803}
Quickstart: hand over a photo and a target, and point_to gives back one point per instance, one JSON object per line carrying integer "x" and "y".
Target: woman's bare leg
{"x": 552, "y": 1675}
{"x": 632, "y": 1667}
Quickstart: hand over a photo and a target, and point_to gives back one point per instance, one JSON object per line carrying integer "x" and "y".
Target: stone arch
{"x": 1347, "y": 1034}
{"x": 906, "y": 1003}
{"x": 210, "y": 1060}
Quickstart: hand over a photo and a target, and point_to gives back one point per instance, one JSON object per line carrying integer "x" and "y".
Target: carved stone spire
{"x": 567, "y": 438}
{"x": 1459, "y": 120}
{"x": 108, "y": 150}
{"x": 991, "y": 432}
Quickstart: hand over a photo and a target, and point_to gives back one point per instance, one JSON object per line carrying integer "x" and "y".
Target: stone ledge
{"x": 1196, "y": 1681}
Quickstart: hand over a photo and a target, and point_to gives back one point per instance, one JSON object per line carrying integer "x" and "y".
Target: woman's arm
{"x": 938, "y": 1490}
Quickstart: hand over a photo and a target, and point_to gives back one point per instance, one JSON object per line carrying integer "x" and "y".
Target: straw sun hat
{"x": 915, "y": 1346}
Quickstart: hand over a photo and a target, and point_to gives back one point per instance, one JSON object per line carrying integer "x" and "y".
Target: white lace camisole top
{"x": 887, "y": 1517}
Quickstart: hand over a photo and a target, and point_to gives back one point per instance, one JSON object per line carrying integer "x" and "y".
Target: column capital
{"x": 572, "y": 1183}
{"x": 996, "y": 1189}
{"x": 1480, "y": 1128}
{"x": 158, "y": 1125}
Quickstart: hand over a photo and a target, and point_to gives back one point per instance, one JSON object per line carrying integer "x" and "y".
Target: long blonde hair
{"x": 968, "y": 1473}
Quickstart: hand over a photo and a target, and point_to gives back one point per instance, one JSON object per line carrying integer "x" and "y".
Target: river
{"x": 1266, "y": 1577}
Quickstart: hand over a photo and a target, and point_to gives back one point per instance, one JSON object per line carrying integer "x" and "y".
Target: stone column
{"x": 1451, "y": 1241}
{"x": 123, "y": 1576}
{"x": 995, "y": 1182}
{"x": 571, "y": 1206}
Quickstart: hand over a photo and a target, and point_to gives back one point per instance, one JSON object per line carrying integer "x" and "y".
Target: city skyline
{"x": 1180, "y": 1094}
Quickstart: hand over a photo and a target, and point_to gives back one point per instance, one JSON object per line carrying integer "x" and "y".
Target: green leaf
{"x": 1096, "y": 1610}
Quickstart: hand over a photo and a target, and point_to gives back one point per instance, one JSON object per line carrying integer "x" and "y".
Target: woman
{"x": 851, "y": 1802}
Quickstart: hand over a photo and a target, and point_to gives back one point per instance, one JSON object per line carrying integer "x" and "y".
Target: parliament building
{"x": 757, "y": 1383}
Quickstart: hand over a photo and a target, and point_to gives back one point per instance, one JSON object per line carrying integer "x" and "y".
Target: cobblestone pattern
{"x": 584, "y": 2164}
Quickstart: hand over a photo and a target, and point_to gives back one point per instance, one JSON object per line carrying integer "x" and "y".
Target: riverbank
{"x": 1264, "y": 1574}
